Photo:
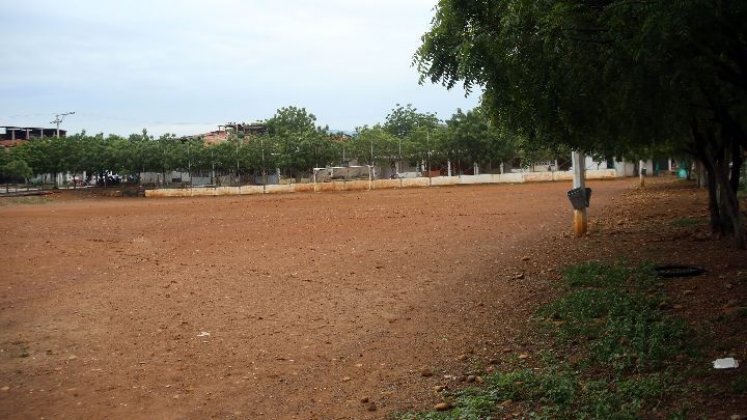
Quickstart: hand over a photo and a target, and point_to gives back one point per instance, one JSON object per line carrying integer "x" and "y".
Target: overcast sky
{"x": 186, "y": 66}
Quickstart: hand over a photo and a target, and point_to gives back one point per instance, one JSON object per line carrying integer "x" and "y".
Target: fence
{"x": 379, "y": 184}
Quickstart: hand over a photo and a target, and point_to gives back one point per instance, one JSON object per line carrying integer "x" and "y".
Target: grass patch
{"x": 625, "y": 354}
{"x": 33, "y": 199}
{"x": 687, "y": 222}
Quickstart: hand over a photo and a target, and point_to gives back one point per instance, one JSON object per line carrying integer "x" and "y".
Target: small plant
{"x": 739, "y": 385}
{"x": 686, "y": 222}
{"x": 7, "y": 201}
{"x": 625, "y": 341}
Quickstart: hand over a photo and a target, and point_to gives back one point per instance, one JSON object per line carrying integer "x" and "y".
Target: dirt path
{"x": 312, "y": 302}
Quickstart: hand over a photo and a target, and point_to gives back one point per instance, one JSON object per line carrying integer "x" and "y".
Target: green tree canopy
{"x": 612, "y": 77}
{"x": 402, "y": 121}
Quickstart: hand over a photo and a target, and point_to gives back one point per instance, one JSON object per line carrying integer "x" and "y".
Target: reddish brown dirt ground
{"x": 311, "y": 301}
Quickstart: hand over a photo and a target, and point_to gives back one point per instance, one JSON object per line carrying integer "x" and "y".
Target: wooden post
{"x": 580, "y": 217}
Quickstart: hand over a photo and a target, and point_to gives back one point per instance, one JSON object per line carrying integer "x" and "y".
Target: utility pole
{"x": 58, "y": 119}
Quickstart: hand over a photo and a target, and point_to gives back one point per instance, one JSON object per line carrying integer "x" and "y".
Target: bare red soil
{"x": 289, "y": 306}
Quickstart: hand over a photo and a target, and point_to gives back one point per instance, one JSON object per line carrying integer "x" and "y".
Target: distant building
{"x": 232, "y": 129}
{"x": 13, "y": 136}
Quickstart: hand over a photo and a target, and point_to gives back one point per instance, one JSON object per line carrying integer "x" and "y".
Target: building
{"x": 13, "y": 136}
{"x": 232, "y": 129}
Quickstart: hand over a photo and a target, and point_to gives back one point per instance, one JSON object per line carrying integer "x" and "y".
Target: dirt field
{"x": 295, "y": 306}
{"x": 311, "y": 301}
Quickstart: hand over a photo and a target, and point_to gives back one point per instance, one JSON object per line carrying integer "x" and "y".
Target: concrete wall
{"x": 379, "y": 184}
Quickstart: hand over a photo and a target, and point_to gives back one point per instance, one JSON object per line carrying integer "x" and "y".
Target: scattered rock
{"x": 518, "y": 276}
{"x": 5, "y": 388}
{"x": 442, "y": 406}
{"x": 364, "y": 400}
{"x": 471, "y": 378}
{"x": 738, "y": 417}
{"x": 462, "y": 357}
{"x": 72, "y": 357}
{"x": 426, "y": 373}
{"x": 677, "y": 306}
{"x": 439, "y": 388}
{"x": 688, "y": 292}
{"x": 479, "y": 380}
{"x": 523, "y": 356}
{"x": 346, "y": 379}
{"x": 372, "y": 406}
{"x": 526, "y": 258}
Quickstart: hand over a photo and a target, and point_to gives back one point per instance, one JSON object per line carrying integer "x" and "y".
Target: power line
{"x": 58, "y": 119}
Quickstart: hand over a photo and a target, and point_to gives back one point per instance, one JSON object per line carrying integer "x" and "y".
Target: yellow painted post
{"x": 580, "y": 217}
{"x": 580, "y": 223}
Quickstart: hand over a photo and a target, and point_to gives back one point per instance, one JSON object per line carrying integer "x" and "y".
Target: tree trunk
{"x": 702, "y": 177}
{"x": 730, "y": 207}
{"x": 730, "y": 219}
{"x": 737, "y": 160}
{"x": 713, "y": 207}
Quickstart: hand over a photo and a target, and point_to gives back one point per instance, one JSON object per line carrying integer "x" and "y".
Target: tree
{"x": 613, "y": 76}
{"x": 375, "y": 145}
{"x": 16, "y": 169}
{"x": 300, "y": 144}
{"x": 402, "y": 121}
{"x": 473, "y": 138}
{"x": 291, "y": 121}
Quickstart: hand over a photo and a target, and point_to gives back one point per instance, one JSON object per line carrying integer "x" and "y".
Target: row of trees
{"x": 292, "y": 142}
{"x": 610, "y": 76}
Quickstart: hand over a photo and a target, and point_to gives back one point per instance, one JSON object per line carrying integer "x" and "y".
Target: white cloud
{"x": 206, "y": 62}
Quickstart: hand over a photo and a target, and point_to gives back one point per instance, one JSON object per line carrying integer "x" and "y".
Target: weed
{"x": 739, "y": 385}
{"x": 611, "y": 319}
{"x": 8, "y": 201}
{"x": 686, "y": 222}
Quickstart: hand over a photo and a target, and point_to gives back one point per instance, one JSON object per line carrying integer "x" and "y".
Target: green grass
{"x": 34, "y": 199}
{"x": 687, "y": 222}
{"x": 627, "y": 348}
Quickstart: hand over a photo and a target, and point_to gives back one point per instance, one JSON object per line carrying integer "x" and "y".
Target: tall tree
{"x": 474, "y": 138}
{"x": 300, "y": 144}
{"x": 610, "y": 76}
{"x": 402, "y": 121}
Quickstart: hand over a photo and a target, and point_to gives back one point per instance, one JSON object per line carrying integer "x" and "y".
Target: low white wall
{"x": 362, "y": 185}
